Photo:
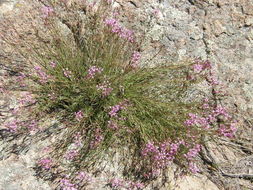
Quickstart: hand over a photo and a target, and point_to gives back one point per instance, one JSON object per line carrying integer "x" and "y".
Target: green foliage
{"x": 155, "y": 108}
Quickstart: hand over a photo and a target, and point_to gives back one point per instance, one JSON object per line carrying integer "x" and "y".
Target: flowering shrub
{"x": 97, "y": 86}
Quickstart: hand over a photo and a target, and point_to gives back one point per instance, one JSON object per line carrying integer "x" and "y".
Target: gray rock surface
{"x": 218, "y": 30}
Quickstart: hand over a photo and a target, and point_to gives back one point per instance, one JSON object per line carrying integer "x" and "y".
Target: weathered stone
{"x": 249, "y": 21}
{"x": 16, "y": 175}
{"x": 195, "y": 182}
{"x": 248, "y": 8}
{"x": 6, "y": 6}
{"x": 218, "y": 28}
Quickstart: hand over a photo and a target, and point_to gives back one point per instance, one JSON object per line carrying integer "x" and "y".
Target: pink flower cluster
{"x": 201, "y": 65}
{"x": 46, "y": 11}
{"x": 16, "y": 110}
{"x": 120, "y": 183}
{"x": 2, "y": 90}
{"x": 114, "y": 110}
{"x": 121, "y": 31}
{"x": 228, "y": 130}
{"x": 117, "y": 108}
{"x": 77, "y": 140}
{"x": 93, "y": 71}
{"x": 105, "y": 88}
{"x": 212, "y": 80}
{"x": 13, "y": 126}
{"x": 46, "y": 163}
{"x": 21, "y": 78}
{"x": 41, "y": 74}
{"x": 67, "y": 73}
{"x": 98, "y": 138}
{"x": 193, "y": 152}
{"x": 84, "y": 176}
{"x": 112, "y": 125}
{"x": 136, "y": 185}
{"x": 27, "y": 98}
{"x": 32, "y": 126}
{"x": 80, "y": 177}
{"x": 210, "y": 116}
{"x": 193, "y": 167}
{"x": 157, "y": 12}
{"x": 135, "y": 59}
{"x": 116, "y": 183}
{"x": 221, "y": 111}
{"x": 67, "y": 185}
{"x": 160, "y": 155}
{"x": 53, "y": 64}
{"x": 79, "y": 115}
{"x": 71, "y": 154}
{"x": 198, "y": 120}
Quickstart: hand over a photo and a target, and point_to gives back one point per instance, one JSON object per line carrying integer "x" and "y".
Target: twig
{"x": 242, "y": 175}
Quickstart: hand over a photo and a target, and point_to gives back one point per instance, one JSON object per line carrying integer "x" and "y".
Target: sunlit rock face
{"x": 218, "y": 30}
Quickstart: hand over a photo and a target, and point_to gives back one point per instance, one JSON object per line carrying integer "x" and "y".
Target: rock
{"x": 218, "y": 28}
{"x": 6, "y": 6}
{"x": 249, "y": 21}
{"x": 15, "y": 175}
{"x": 248, "y": 8}
{"x": 197, "y": 182}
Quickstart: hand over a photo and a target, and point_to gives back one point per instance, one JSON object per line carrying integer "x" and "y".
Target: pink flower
{"x": 117, "y": 183}
{"x": 201, "y": 65}
{"x": 71, "y": 154}
{"x": 53, "y": 64}
{"x": 79, "y": 115}
{"x": 83, "y": 176}
{"x": 12, "y": 126}
{"x": 160, "y": 155}
{"x": 135, "y": 58}
{"x": 105, "y": 87}
{"x": 98, "y": 138}
{"x": 157, "y": 12}
{"x": 41, "y": 74}
{"x": 67, "y": 185}
{"x": 2, "y": 90}
{"x": 136, "y": 185}
{"x": 115, "y": 109}
{"x": 20, "y": 79}
{"x": 27, "y": 99}
{"x": 197, "y": 68}
{"x": 93, "y": 71}
{"x": 77, "y": 140}
{"x": 119, "y": 30}
{"x": 221, "y": 111}
{"x": 33, "y": 126}
{"x": 112, "y": 125}
{"x": 205, "y": 106}
{"x": 198, "y": 121}
{"x": 192, "y": 153}
{"x": 67, "y": 73}
{"x": 46, "y": 11}
{"x": 228, "y": 130}
{"x": 127, "y": 34}
{"x": 212, "y": 79}
{"x": 111, "y": 22}
{"x": 193, "y": 168}
{"x": 46, "y": 163}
